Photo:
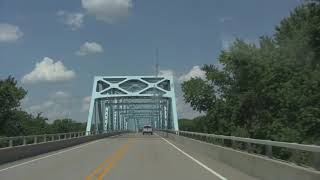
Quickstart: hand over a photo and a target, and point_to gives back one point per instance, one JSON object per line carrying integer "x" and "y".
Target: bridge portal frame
{"x": 109, "y": 91}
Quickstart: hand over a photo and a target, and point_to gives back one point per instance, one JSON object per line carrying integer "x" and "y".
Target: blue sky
{"x": 119, "y": 37}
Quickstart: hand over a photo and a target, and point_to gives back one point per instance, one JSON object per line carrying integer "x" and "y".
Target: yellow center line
{"x": 113, "y": 162}
{"x": 110, "y": 158}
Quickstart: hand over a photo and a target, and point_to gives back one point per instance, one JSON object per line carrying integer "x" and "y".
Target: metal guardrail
{"x": 301, "y": 154}
{"x": 9, "y": 142}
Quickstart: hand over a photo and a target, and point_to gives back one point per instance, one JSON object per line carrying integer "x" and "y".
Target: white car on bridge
{"x": 147, "y": 129}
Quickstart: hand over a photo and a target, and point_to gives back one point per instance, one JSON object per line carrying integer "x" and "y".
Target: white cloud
{"x": 227, "y": 41}
{"x": 108, "y": 10}
{"x": 25, "y": 100}
{"x": 74, "y": 20}
{"x": 60, "y": 94}
{"x": 9, "y": 32}
{"x": 51, "y": 109}
{"x": 225, "y": 19}
{"x": 89, "y": 48}
{"x": 167, "y": 72}
{"x": 85, "y": 103}
{"x": 195, "y": 72}
{"x": 43, "y": 106}
{"x": 184, "y": 109}
{"x": 48, "y": 71}
{"x": 58, "y": 105}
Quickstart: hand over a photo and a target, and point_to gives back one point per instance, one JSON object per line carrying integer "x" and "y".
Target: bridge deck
{"x": 129, "y": 156}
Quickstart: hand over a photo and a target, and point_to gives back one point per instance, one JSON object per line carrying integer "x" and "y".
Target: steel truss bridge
{"x": 129, "y": 102}
{"x": 112, "y": 148}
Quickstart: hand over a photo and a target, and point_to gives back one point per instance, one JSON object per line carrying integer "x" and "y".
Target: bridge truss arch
{"x": 129, "y": 102}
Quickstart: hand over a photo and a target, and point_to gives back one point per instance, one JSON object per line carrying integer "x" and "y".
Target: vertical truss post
{"x": 118, "y": 116}
{"x": 106, "y": 118}
{"x": 91, "y": 107}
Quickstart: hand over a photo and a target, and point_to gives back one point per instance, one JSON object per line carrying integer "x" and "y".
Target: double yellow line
{"x": 109, "y": 162}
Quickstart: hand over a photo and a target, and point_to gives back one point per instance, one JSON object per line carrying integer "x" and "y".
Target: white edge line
{"x": 195, "y": 160}
{"x": 60, "y": 152}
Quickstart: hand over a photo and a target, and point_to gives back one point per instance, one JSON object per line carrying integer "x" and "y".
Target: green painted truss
{"x": 130, "y": 102}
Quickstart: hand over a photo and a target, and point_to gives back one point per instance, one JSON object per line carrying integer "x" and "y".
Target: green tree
{"x": 10, "y": 97}
{"x": 267, "y": 91}
{"x": 15, "y": 122}
{"x": 34, "y": 125}
{"x": 66, "y": 125}
{"x": 186, "y": 125}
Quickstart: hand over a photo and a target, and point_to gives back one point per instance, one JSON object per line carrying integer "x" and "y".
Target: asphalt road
{"x": 129, "y": 156}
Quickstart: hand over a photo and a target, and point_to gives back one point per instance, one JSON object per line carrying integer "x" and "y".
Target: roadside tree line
{"x": 268, "y": 90}
{"x": 16, "y": 122}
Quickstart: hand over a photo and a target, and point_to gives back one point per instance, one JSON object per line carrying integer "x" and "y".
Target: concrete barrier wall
{"x": 21, "y": 152}
{"x": 253, "y": 165}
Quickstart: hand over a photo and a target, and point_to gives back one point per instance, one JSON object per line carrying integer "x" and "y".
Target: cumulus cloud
{"x": 166, "y": 72}
{"x": 9, "y": 32}
{"x": 184, "y": 109}
{"x": 74, "y": 20}
{"x": 225, "y": 19}
{"x": 85, "y": 103}
{"x": 227, "y": 41}
{"x": 89, "y": 48}
{"x": 108, "y": 10}
{"x": 40, "y": 107}
{"x": 58, "y": 104}
{"x": 195, "y": 72}
{"x": 48, "y": 71}
{"x": 60, "y": 94}
{"x": 51, "y": 109}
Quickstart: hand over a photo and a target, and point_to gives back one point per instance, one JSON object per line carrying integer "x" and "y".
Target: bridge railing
{"x": 300, "y": 154}
{"x": 9, "y": 142}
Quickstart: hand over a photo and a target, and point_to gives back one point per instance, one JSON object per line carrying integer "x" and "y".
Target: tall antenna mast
{"x": 157, "y": 62}
{"x": 155, "y": 95}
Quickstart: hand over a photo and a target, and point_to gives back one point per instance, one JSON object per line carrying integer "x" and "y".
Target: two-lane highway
{"x": 129, "y": 156}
